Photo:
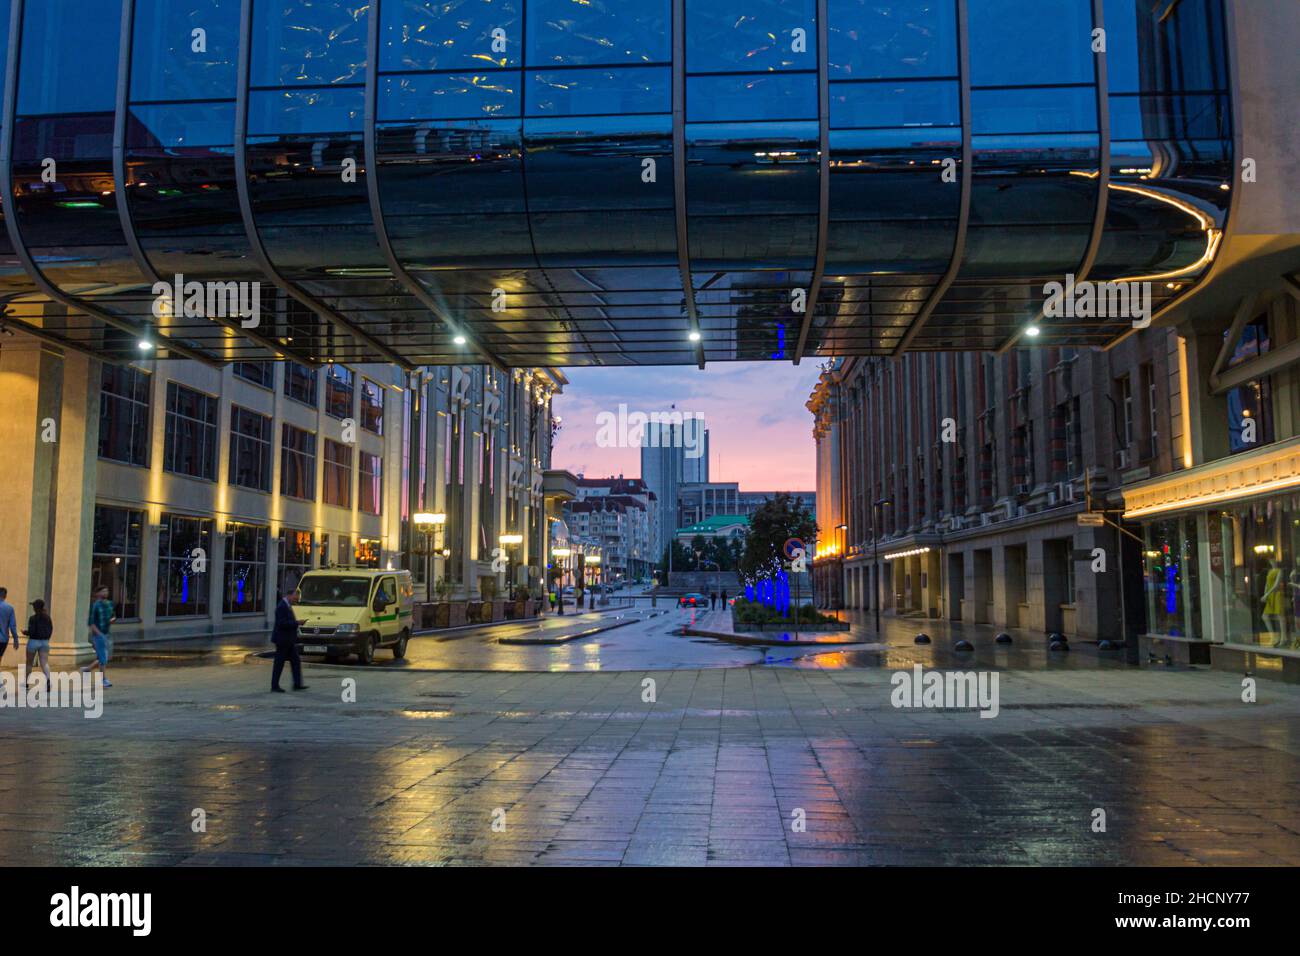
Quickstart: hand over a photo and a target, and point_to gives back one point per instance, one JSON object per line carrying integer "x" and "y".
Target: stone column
{"x": 50, "y": 432}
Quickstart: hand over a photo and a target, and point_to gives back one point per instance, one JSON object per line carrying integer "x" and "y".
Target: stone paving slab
{"x": 582, "y": 770}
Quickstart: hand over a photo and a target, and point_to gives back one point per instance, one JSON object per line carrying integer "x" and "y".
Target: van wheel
{"x": 399, "y": 649}
{"x": 366, "y": 652}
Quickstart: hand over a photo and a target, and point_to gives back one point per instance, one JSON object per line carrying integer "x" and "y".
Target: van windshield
{"x": 339, "y": 591}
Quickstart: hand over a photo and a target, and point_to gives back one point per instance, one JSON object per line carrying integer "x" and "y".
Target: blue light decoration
{"x": 1171, "y": 588}
{"x": 773, "y": 592}
{"x": 780, "y": 341}
{"x": 185, "y": 588}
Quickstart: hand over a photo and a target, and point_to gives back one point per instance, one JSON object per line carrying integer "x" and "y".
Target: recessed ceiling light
{"x": 144, "y": 345}
{"x": 1032, "y": 331}
{"x": 459, "y": 340}
{"x": 694, "y": 336}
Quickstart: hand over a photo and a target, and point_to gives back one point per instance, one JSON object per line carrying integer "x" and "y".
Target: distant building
{"x": 718, "y": 526}
{"x": 697, "y": 501}
{"x": 621, "y": 514}
{"x": 673, "y": 453}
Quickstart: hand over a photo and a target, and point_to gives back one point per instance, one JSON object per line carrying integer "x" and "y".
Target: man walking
{"x": 101, "y": 619}
{"x": 8, "y": 622}
{"x": 285, "y": 637}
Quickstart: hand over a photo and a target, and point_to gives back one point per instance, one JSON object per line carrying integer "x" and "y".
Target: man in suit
{"x": 285, "y": 637}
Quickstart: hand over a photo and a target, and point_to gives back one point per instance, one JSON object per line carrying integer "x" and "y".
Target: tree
{"x": 775, "y": 522}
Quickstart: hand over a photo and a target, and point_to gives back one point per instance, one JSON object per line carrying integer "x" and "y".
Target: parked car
{"x": 693, "y": 600}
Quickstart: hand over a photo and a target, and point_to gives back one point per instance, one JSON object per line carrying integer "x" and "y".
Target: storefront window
{"x": 116, "y": 558}
{"x": 184, "y": 550}
{"x": 294, "y": 559}
{"x": 1260, "y": 574}
{"x": 1170, "y": 564}
{"x": 245, "y": 569}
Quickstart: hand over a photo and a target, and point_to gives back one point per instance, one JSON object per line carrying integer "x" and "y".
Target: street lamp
{"x": 875, "y": 545}
{"x": 429, "y": 524}
{"x": 593, "y": 561}
{"x": 560, "y": 555}
{"x": 843, "y": 530}
{"x": 509, "y": 541}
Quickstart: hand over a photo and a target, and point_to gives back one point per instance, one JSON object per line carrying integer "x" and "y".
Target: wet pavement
{"x": 577, "y": 764}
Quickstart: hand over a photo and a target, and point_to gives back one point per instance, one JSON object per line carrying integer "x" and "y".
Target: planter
{"x": 474, "y": 612}
{"x": 449, "y": 614}
{"x": 825, "y": 628}
{"x": 426, "y": 616}
{"x": 496, "y": 610}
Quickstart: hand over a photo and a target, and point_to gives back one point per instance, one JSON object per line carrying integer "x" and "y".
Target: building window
{"x": 297, "y": 463}
{"x": 367, "y": 553}
{"x": 124, "y": 415}
{"x": 1124, "y": 398}
{"x": 1250, "y": 406}
{"x": 294, "y": 559}
{"x": 259, "y": 373}
{"x": 1254, "y": 552}
{"x": 371, "y": 493}
{"x": 250, "y": 449}
{"x": 338, "y": 391}
{"x": 372, "y": 407}
{"x": 190, "y": 446}
{"x": 184, "y": 550}
{"x": 338, "y": 474}
{"x": 300, "y": 383}
{"x": 245, "y": 569}
{"x": 1171, "y": 574}
{"x": 115, "y": 561}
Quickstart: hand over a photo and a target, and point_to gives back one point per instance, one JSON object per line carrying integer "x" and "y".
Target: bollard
{"x": 1003, "y": 638}
{"x": 963, "y": 646}
{"x": 922, "y": 638}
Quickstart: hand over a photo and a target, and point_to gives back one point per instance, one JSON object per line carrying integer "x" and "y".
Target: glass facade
{"x": 575, "y": 182}
{"x": 1260, "y": 575}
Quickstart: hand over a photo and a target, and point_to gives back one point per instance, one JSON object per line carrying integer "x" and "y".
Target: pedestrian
{"x": 285, "y": 637}
{"x": 713, "y": 600}
{"x": 39, "y": 631}
{"x": 101, "y": 619}
{"x": 8, "y": 622}
{"x": 724, "y": 599}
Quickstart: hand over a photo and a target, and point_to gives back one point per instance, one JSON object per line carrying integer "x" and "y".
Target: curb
{"x": 747, "y": 640}
{"x": 536, "y": 641}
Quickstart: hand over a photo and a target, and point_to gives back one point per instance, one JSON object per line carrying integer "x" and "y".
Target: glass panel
{"x": 456, "y": 35}
{"x": 184, "y": 51}
{"x": 588, "y": 92}
{"x": 308, "y": 44}
{"x": 1051, "y": 40}
{"x": 873, "y": 40}
{"x": 727, "y": 35}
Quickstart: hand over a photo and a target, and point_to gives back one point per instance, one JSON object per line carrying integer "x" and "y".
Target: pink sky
{"x": 760, "y": 434}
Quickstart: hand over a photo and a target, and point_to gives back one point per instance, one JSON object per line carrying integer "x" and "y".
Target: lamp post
{"x": 875, "y": 545}
{"x": 508, "y": 543}
{"x": 429, "y": 524}
{"x": 560, "y": 555}
{"x": 594, "y": 562}
{"x": 843, "y": 530}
